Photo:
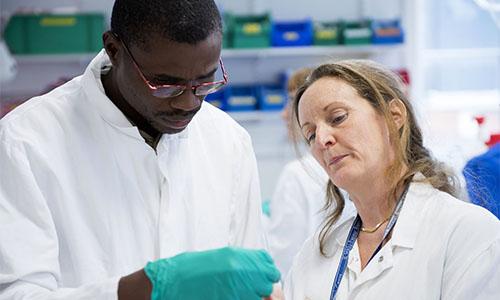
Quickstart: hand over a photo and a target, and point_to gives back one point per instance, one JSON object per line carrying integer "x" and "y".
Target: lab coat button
{"x": 380, "y": 259}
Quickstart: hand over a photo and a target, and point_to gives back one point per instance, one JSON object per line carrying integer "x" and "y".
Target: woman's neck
{"x": 374, "y": 202}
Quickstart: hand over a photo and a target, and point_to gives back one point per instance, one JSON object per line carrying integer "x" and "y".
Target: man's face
{"x": 167, "y": 62}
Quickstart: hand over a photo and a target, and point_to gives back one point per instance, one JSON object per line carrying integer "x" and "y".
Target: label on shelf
{"x": 290, "y": 36}
{"x": 388, "y": 32}
{"x": 242, "y": 100}
{"x": 252, "y": 28}
{"x": 57, "y": 21}
{"x": 275, "y": 99}
{"x": 352, "y": 33}
{"x": 326, "y": 34}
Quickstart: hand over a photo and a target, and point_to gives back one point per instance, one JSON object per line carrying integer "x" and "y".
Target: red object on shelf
{"x": 479, "y": 120}
{"x": 494, "y": 138}
{"x": 405, "y": 76}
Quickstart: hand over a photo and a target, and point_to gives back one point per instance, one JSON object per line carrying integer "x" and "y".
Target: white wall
{"x": 317, "y": 9}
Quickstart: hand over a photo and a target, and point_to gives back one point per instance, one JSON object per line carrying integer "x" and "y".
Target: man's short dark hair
{"x": 183, "y": 21}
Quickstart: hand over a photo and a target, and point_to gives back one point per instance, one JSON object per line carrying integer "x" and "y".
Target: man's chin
{"x": 172, "y": 130}
{"x": 171, "y": 127}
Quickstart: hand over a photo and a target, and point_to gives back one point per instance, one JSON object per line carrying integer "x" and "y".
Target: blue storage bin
{"x": 217, "y": 99}
{"x": 387, "y": 32}
{"x": 240, "y": 98}
{"x": 271, "y": 97}
{"x": 292, "y": 33}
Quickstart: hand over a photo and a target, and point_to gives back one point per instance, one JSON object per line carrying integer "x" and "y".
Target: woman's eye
{"x": 310, "y": 138}
{"x": 339, "y": 119}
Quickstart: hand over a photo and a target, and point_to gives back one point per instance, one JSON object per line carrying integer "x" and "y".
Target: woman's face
{"x": 345, "y": 134}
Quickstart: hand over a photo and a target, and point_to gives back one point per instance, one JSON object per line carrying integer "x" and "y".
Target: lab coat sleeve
{"x": 472, "y": 266}
{"x": 29, "y": 267}
{"x": 246, "y": 223}
{"x": 289, "y": 226}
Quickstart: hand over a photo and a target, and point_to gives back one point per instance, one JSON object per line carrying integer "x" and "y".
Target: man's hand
{"x": 226, "y": 273}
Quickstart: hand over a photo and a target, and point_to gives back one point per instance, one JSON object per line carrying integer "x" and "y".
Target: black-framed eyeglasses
{"x": 174, "y": 90}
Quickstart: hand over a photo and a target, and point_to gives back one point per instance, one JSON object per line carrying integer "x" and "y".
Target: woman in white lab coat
{"x": 409, "y": 237}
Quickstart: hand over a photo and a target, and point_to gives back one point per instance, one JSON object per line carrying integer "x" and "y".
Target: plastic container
{"x": 240, "y": 98}
{"x": 217, "y": 99}
{"x": 251, "y": 31}
{"x": 271, "y": 97}
{"x": 50, "y": 34}
{"x": 357, "y": 33}
{"x": 327, "y": 33}
{"x": 387, "y": 32}
{"x": 292, "y": 33}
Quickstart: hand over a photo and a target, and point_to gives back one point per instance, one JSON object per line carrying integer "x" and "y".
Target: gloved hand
{"x": 226, "y": 273}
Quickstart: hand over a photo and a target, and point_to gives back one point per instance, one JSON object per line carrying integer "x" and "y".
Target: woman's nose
{"x": 325, "y": 136}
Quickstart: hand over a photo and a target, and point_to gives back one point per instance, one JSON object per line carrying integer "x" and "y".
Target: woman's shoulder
{"x": 463, "y": 213}
{"x": 465, "y": 225}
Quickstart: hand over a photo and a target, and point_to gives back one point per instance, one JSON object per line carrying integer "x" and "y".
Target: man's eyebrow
{"x": 169, "y": 78}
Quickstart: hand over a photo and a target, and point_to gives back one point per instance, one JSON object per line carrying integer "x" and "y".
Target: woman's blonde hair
{"x": 297, "y": 79}
{"x": 379, "y": 86}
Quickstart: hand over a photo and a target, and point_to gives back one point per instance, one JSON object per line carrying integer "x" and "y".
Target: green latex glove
{"x": 226, "y": 273}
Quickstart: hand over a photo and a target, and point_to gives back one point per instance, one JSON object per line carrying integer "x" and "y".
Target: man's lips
{"x": 336, "y": 159}
{"x": 178, "y": 123}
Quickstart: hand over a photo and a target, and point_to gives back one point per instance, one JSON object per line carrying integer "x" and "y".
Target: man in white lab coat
{"x": 123, "y": 168}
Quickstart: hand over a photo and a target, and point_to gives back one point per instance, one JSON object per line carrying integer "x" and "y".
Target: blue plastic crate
{"x": 292, "y": 33}
{"x": 387, "y": 32}
{"x": 217, "y": 99}
{"x": 240, "y": 98}
{"x": 271, "y": 97}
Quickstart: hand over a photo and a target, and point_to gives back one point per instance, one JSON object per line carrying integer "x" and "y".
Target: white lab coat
{"x": 441, "y": 248}
{"x": 84, "y": 200}
{"x": 295, "y": 209}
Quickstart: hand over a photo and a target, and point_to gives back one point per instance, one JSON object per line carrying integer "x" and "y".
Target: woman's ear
{"x": 111, "y": 45}
{"x": 397, "y": 109}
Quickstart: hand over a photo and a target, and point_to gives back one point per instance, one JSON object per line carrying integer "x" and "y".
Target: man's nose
{"x": 187, "y": 101}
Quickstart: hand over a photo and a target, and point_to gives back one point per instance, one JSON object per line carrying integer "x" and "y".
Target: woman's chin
{"x": 342, "y": 178}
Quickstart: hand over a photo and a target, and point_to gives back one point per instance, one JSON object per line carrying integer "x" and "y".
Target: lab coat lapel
{"x": 404, "y": 233}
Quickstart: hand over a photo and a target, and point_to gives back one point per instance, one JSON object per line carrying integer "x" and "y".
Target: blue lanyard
{"x": 351, "y": 238}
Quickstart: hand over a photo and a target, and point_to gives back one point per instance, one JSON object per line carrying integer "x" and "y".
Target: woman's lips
{"x": 336, "y": 159}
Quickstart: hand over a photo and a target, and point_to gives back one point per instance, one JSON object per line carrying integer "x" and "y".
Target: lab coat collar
{"x": 409, "y": 220}
{"x": 94, "y": 89}
{"x": 345, "y": 220}
{"x": 92, "y": 85}
{"x": 410, "y": 217}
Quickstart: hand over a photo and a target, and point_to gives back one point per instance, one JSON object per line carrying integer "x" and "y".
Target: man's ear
{"x": 111, "y": 46}
{"x": 398, "y": 111}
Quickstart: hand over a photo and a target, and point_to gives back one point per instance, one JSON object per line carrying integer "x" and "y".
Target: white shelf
{"x": 354, "y": 50}
{"x": 255, "y": 116}
{"x": 309, "y": 51}
{"x": 54, "y": 58}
